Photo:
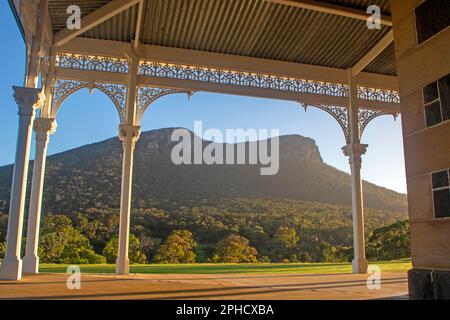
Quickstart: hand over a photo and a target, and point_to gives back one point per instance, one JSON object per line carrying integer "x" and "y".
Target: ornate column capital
{"x": 129, "y": 131}
{"x": 28, "y": 100}
{"x": 354, "y": 151}
{"x": 43, "y": 127}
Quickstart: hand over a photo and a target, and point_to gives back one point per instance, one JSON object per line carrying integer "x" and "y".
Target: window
{"x": 432, "y": 17}
{"x": 444, "y": 94}
{"x": 441, "y": 193}
{"x": 436, "y": 98}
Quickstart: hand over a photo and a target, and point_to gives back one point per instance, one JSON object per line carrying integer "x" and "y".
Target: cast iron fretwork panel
{"x": 341, "y": 116}
{"x": 382, "y": 95}
{"x": 229, "y": 77}
{"x": 221, "y": 76}
{"x": 92, "y": 63}
{"x": 64, "y": 88}
{"x": 338, "y": 113}
{"x": 365, "y": 116}
{"x": 147, "y": 95}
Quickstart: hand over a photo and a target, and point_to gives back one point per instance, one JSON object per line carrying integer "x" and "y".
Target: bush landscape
{"x": 207, "y": 214}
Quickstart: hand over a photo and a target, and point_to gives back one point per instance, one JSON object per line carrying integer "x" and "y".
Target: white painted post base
{"x": 30, "y": 264}
{"x": 359, "y": 265}
{"x": 11, "y": 268}
{"x": 123, "y": 266}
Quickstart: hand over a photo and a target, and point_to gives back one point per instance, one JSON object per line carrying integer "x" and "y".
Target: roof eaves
{"x": 17, "y": 18}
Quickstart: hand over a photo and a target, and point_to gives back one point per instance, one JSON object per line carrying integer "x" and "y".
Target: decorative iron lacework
{"x": 92, "y": 62}
{"x": 338, "y": 113}
{"x": 64, "y": 88}
{"x": 221, "y": 76}
{"x": 147, "y": 95}
{"x": 229, "y": 77}
{"x": 382, "y": 95}
{"x": 365, "y": 116}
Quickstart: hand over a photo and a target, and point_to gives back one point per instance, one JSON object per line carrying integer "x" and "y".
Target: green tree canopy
{"x": 2, "y": 249}
{"x": 234, "y": 249}
{"x": 178, "y": 248}
{"x": 390, "y": 242}
{"x": 60, "y": 242}
{"x": 285, "y": 238}
{"x": 134, "y": 253}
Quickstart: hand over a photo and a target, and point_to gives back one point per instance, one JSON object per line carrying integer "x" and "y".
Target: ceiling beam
{"x": 331, "y": 9}
{"x": 89, "y": 75}
{"x": 373, "y": 53}
{"x": 228, "y": 62}
{"x": 182, "y": 84}
{"x": 93, "y": 19}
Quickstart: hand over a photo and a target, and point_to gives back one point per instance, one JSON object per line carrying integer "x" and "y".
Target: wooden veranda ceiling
{"x": 253, "y": 28}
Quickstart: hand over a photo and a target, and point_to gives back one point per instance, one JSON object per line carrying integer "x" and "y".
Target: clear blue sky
{"x": 85, "y": 119}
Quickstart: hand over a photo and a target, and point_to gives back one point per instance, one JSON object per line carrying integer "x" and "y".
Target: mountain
{"x": 90, "y": 176}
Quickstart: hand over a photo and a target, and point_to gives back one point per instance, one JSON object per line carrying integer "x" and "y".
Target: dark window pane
{"x": 430, "y": 92}
{"x": 440, "y": 179}
{"x": 444, "y": 89}
{"x": 441, "y": 203}
{"x": 433, "y": 113}
{"x": 432, "y": 17}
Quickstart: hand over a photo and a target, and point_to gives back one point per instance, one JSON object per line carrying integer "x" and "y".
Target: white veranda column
{"x": 128, "y": 134}
{"x": 43, "y": 127}
{"x": 354, "y": 151}
{"x": 27, "y": 99}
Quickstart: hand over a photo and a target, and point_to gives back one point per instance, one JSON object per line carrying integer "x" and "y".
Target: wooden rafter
{"x": 331, "y": 9}
{"x": 138, "y": 24}
{"x": 373, "y": 53}
{"x": 94, "y": 19}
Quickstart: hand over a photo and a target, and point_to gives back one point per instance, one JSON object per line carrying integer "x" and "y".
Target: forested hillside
{"x": 90, "y": 176}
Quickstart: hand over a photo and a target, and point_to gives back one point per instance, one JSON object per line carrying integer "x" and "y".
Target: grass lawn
{"x": 209, "y": 268}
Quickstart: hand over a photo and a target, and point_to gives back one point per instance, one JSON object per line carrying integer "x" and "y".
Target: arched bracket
{"x": 147, "y": 95}
{"x": 365, "y": 116}
{"x": 64, "y": 88}
{"x": 338, "y": 113}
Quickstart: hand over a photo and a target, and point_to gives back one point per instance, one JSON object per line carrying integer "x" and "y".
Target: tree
{"x": 86, "y": 227}
{"x": 178, "y": 248}
{"x": 285, "y": 238}
{"x": 390, "y": 242}
{"x": 3, "y": 225}
{"x": 2, "y": 249}
{"x": 146, "y": 242}
{"x": 60, "y": 242}
{"x": 234, "y": 249}
{"x": 134, "y": 254}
